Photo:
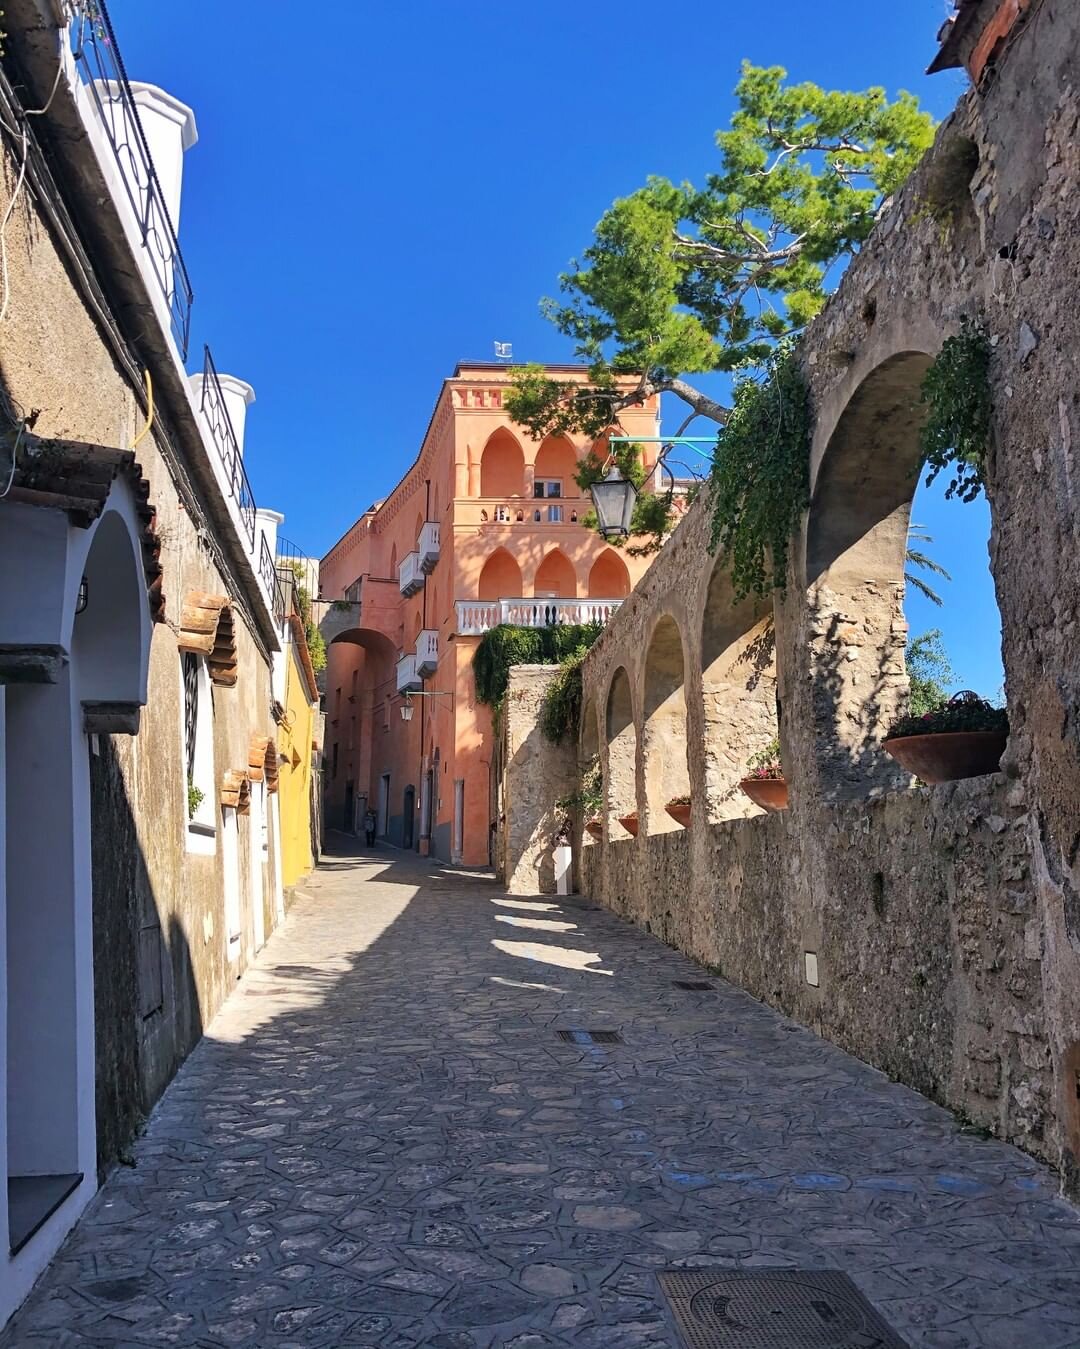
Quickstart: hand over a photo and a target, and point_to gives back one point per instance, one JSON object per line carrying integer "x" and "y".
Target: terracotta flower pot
{"x": 769, "y": 793}
{"x": 596, "y": 828}
{"x": 680, "y": 812}
{"x": 629, "y": 823}
{"x": 949, "y": 755}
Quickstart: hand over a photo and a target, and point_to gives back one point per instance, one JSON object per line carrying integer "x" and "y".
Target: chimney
{"x": 170, "y": 130}
{"x": 977, "y": 34}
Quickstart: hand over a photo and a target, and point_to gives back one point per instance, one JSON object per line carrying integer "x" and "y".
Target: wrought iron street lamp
{"x": 613, "y": 500}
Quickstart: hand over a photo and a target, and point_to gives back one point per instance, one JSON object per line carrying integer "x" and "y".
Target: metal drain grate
{"x": 694, "y": 985}
{"x": 774, "y": 1309}
{"x": 590, "y": 1037}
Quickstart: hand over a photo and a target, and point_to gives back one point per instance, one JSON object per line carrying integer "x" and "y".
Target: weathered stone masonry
{"x": 946, "y": 922}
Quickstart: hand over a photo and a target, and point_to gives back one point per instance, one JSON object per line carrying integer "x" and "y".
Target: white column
{"x": 170, "y": 130}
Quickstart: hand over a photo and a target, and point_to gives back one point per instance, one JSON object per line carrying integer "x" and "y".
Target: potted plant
{"x": 679, "y": 810}
{"x": 589, "y": 799}
{"x": 764, "y": 783}
{"x": 630, "y": 822}
{"x": 962, "y": 738}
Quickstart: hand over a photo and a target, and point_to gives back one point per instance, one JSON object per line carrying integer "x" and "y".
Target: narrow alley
{"x": 383, "y": 1141}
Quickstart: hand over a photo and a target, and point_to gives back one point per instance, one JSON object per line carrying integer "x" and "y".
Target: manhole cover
{"x": 694, "y": 985}
{"x": 774, "y": 1309}
{"x": 590, "y": 1037}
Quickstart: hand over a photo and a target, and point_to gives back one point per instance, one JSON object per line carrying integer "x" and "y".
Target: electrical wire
{"x": 14, "y": 459}
{"x": 5, "y": 287}
{"x": 149, "y": 408}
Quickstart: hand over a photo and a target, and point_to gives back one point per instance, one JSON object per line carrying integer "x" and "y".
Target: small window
{"x": 547, "y": 487}
{"x": 334, "y": 761}
{"x": 502, "y": 515}
{"x": 554, "y": 515}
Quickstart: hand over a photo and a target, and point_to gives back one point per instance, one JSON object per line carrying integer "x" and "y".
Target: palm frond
{"x": 923, "y": 588}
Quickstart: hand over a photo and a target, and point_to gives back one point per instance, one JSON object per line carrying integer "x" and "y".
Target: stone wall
{"x": 532, "y": 775}
{"x": 946, "y": 925}
{"x": 923, "y": 925}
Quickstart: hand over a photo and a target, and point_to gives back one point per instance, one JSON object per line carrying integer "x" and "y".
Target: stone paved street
{"x": 383, "y": 1142}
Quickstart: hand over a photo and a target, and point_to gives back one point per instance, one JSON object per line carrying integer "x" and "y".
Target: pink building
{"x": 485, "y": 528}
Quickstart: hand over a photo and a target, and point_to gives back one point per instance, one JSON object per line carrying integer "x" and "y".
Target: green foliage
{"x": 560, "y": 711}
{"x": 765, "y": 764}
{"x": 956, "y": 391}
{"x": 916, "y": 558}
{"x": 760, "y": 480}
{"x": 590, "y": 796}
{"x": 316, "y": 643}
{"x": 195, "y": 798}
{"x": 930, "y": 672}
{"x": 965, "y": 711}
{"x": 508, "y": 645}
{"x": 683, "y": 280}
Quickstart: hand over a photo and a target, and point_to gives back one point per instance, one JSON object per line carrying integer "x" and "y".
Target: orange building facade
{"x": 485, "y": 528}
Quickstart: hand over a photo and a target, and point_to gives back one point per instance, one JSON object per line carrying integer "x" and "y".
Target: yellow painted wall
{"x": 294, "y": 783}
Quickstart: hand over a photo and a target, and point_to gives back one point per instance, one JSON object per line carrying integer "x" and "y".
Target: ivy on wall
{"x": 508, "y": 645}
{"x": 956, "y": 393}
{"x": 760, "y": 479}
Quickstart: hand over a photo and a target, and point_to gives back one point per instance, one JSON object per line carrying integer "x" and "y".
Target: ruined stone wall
{"x": 946, "y": 924}
{"x": 534, "y": 774}
{"x": 158, "y": 908}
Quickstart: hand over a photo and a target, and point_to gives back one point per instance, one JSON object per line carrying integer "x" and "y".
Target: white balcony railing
{"x": 475, "y": 617}
{"x": 410, "y": 577}
{"x": 429, "y": 546}
{"x": 427, "y": 653}
{"x": 408, "y": 680}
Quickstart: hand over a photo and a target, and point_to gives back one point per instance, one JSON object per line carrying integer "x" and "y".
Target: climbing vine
{"x": 508, "y": 645}
{"x": 956, "y": 392}
{"x": 560, "y": 710}
{"x": 760, "y": 479}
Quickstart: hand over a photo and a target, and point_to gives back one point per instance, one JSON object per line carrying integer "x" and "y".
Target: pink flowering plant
{"x": 965, "y": 711}
{"x": 765, "y": 765}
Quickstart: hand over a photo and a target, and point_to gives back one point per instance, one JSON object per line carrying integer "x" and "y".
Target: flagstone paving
{"x": 383, "y": 1142}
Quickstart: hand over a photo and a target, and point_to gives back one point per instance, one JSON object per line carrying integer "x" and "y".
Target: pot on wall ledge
{"x": 945, "y": 756}
{"x": 595, "y": 828}
{"x": 768, "y": 793}
{"x": 630, "y": 822}
{"x": 679, "y": 812}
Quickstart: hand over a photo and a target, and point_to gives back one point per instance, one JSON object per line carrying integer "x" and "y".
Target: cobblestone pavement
{"x": 383, "y": 1142}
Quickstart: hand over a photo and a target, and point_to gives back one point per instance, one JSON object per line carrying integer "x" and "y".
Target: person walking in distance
{"x": 369, "y": 828}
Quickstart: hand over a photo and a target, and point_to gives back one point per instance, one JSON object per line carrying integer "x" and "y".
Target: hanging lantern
{"x": 406, "y": 710}
{"x": 613, "y": 500}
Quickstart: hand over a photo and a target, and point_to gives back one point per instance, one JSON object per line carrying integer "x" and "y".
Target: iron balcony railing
{"x": 230, "y": 461}
{"x": 268, "y": 574}
{"x": 98, "y": 60}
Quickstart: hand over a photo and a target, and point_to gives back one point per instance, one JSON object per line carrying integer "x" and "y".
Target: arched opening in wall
{"x": 356, "y": 743}
{"x": 608, "y": 577}
{"x": 555, "y": 577}
{"x": 738, "y": 688}
{"x": 554, "y": 469}
{"x": 590, "y": 775}
{"x": 620, "y": 786}
{"x": 502, "y": 466}
{"x": 667, "y": 776}
{"x": 500, "y": 578}
{"x": 858, "y": 544}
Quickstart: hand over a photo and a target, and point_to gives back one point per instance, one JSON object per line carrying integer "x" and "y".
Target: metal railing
{"x": 98, "y": 59}
{"x": 268, "y": 574}
{"x": 475, "y": 617}
{"x": 219, "y": 424}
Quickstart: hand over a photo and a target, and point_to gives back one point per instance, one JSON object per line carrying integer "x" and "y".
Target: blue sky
{"x": 372, "y": 200}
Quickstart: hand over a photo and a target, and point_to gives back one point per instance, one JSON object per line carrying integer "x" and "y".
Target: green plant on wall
{"x": 195, "y": 798}
{"x": 589, "y": 798}
{"x": 560, "y": 709}
{"x": 316, "y": 643}
{"x": 760, "y": 479}
{"x": 508, "y": 645}
{"x": 956, "y": 392}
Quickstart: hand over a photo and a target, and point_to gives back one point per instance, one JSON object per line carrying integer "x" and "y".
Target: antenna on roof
{"x": 504, "y": 351}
